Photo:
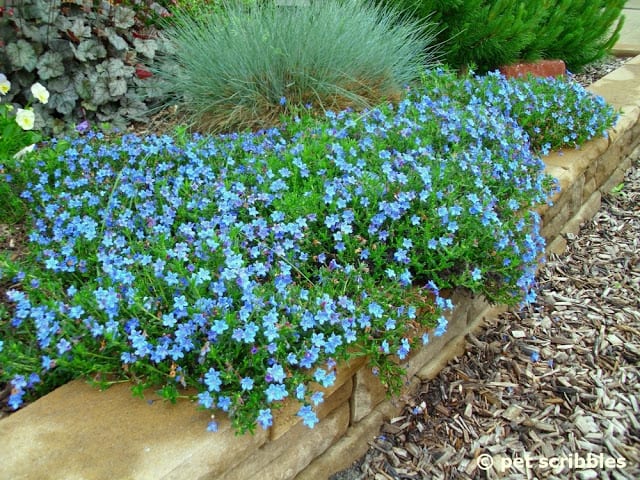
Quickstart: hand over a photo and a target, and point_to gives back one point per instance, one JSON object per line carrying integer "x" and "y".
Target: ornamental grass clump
{"x": 246, "y": 66}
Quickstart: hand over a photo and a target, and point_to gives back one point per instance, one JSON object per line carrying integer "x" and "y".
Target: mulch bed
{"x": 558, "y": 379}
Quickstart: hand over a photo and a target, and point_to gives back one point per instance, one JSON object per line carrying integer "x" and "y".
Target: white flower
{"x": 5, "y": 85}
{"x": 39, "y": 92}
{"x": 25, "y": 118}
{"x": 24, "y": 151}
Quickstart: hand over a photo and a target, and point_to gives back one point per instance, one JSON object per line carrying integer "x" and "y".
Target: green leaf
{"x": 59, "y": 84}
{"x": 138, "y": 390}
{"x": 80, "y": 29}
{"x": 134, "y": 109}
{"x": 117, "y": 87}
{"x": 32, "y": 31}
{"x": 116, "y": 40}
{"x": 50, "y": 65}
{"x": 22, "y": 55}
{"x": 100, "y": 91}
{"x": 89, "y": 50}
{"x": 64, "y": 102}
{"x": 618, "y": 188}
{"x": 82, "y": 85}
{"x": 63, "y": 47}
{"x": 45, "y": 10}
{"x": 146, "y": 47}
{"x": 124, "y": 17}
{"x": 115, "y": 68}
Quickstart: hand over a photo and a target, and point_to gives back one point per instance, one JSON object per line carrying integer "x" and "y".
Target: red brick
{"x": 541, "y": 68}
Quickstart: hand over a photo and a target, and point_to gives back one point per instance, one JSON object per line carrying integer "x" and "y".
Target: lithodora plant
{"x": 247, "y": 266}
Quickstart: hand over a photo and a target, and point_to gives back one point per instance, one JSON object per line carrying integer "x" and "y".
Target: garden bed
{"x": 117, "y": 437}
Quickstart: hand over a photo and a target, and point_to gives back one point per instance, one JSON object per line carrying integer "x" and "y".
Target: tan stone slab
{"x": 617, "y": 176}
{"x": 576, "y": 160}
{"x": 621, "y": 88}
{"x": 586, "y": 213}
{"x": 557, "y": 246}
{"x": 629, "y": 41}
{"x": 627, "y": 119}
{"x": 345, "y": 451}
{"x": 368, "y": 392}
{"x": 454, "y": 348}
{"x": 79, "y": 432}
{"x": 286, "y": 418}
{"x": 630, "y": 33}
{"x": 292, "y": 452}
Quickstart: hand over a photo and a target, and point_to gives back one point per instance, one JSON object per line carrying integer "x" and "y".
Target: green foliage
{"x": 491, "y": 33}
{"x": 247, "y": 266}
{"x": 87, "y": 56}
{"x": 485, "y": 33}
{"x": 578, "y": 31}
{"x": 247, "y": 65}
{"x": 17, "y": 140}
{"x": 555, "y": 113}
{"x": 204, "y": 7}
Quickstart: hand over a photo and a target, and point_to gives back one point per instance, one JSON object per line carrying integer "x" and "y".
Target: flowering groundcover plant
{"x": 247, "y": 266}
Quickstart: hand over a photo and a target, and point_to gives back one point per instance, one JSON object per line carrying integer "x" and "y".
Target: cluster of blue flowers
{"x": 248, "y": 265}
{"x": 555, "y": 113}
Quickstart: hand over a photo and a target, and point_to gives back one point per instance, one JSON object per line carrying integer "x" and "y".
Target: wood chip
{"x": 581, "y": 396}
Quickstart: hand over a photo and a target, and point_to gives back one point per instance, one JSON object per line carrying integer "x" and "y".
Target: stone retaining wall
{"x": 77, "y": 432}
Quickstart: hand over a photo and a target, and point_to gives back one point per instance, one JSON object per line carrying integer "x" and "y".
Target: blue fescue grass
{"x": 245, "y": 66}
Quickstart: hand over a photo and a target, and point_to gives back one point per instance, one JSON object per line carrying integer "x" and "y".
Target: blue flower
{"x": 224, "y": 403}
{"x": 265, "y": 418}
{"x": 275, "y": 392}
{"x": 476, "y": 274}
{"x": 375, "y": 310}
{"x": 275, "y": 373}
{"x": 324, "y": 378}
{"x": 441, "y": 328}
{"x": 205, "y": 399}
{"x": 246, "y": 383}
{"x": 309, "y": 417}
{"x": 212, "y": 380}
{"x": 317, "y": 398}
{"x": 404, "y": 349}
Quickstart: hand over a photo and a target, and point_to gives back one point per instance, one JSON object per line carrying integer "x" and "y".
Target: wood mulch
{"x": 556, "y": 382}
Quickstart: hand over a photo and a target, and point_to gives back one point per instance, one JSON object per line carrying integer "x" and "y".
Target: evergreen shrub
{"x": 578, "y": 31}
{"x": 486, "y": 34}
